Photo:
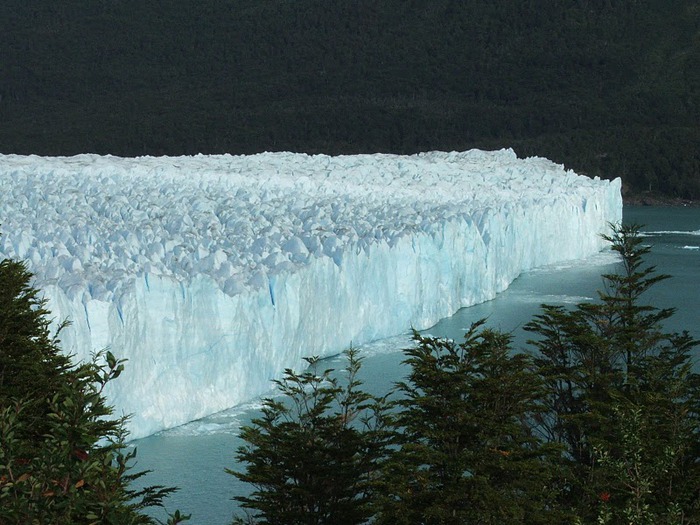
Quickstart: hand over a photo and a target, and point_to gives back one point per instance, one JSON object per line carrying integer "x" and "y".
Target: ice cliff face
{"x": 213, "y": 274}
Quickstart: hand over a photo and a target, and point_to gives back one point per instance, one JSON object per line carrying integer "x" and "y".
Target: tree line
{"x": 608, "y": 88}
{"x": 597, "y": 422}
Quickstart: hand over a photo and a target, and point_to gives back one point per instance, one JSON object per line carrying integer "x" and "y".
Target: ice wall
{"x": 213, "y": 274}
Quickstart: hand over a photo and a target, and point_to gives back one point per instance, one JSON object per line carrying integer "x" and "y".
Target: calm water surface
{"x": 194, "y": 456}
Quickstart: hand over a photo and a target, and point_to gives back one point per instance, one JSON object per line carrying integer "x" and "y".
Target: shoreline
{"x": 650, "y": 199}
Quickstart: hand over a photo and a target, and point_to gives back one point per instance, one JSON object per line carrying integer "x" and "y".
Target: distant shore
{"x": 652, "y": 199}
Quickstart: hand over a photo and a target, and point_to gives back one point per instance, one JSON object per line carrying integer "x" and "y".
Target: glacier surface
{"x": 212, "y": 274}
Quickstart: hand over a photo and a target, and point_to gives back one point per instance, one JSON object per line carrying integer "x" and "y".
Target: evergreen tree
{"x": 465, "y": 451}
{"x": 31, "y": 365}
{"x": 600, "y": 425}
{"x": 313, "y": 455}
{"x": 62, "y": 455}
{"x": 622, "y": 399}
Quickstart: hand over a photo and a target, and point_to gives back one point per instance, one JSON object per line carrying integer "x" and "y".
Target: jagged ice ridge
{"x": 211, "y": 274}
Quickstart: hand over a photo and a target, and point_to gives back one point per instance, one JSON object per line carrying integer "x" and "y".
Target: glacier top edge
{"x": 241, "y": 219}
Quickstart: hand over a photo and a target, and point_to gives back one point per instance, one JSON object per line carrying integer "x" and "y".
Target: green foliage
{"x": 31, "y": 365}
{"x": 465, "y": 451}
{"x": 601, "y": 424}
{"x": 622, "y": 399}
{"x": 312, "y": 456}
{"x": 62, "y": 455}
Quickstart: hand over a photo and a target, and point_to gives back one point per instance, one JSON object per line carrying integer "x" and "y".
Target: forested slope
{"x": 609, "y": 88}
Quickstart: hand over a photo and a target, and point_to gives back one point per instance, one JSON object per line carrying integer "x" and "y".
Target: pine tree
{"x": 312, "y": 456}
{"x": 31, "y": 364}
{"x": 622, "y": 399}
{"x": 62, "y": 455}
{"x": 465, "y": 451}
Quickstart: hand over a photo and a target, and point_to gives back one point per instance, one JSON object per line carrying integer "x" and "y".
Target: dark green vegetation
{"x": 62, "y": 455}
{"x": 598, "y": 424}
{"x": 463, "y": 454}
{"x": 311, "y": 455}
{"x": 609, "y": 88}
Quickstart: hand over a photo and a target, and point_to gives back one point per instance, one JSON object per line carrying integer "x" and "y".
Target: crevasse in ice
{"x": 212, "y": 274}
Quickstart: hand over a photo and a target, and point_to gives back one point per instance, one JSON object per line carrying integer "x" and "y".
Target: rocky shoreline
{"x": 652, "y": 199}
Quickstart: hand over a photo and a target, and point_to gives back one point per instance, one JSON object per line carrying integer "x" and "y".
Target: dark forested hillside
{"x": 609, "y": 88}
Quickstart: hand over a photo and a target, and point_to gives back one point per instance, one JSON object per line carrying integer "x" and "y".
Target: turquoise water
{"x": 194, "y": 456}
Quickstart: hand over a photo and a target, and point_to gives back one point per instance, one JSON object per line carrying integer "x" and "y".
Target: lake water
{"x": 193, "y": 457}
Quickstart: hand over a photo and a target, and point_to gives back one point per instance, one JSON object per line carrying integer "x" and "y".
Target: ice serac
{"x": 211, "y": 274}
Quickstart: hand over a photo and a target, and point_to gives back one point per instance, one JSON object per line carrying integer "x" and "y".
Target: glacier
{"x": 212, "y": 274}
